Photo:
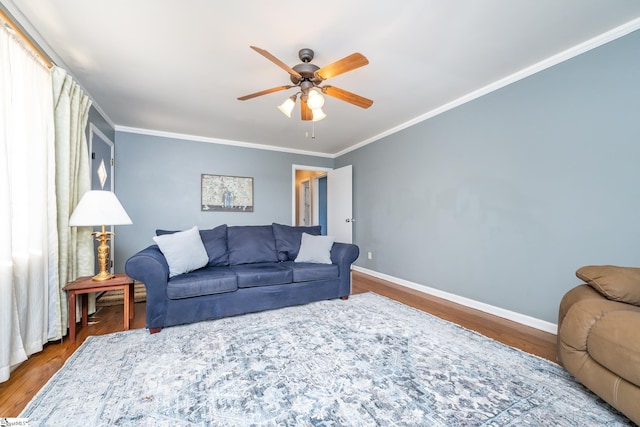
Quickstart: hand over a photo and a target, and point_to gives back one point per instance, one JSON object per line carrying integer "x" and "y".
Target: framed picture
{"x": 221, "y": 193}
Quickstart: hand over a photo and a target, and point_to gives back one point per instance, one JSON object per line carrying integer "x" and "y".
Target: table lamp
{"x": 99, "y": 207}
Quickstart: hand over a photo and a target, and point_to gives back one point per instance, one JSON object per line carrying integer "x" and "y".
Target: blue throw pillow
{"x": 251, "y": 243}
{"x": 288, "y": 239}
{"x": 215, "y": 243}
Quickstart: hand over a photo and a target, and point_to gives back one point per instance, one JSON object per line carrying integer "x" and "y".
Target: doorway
{"x": 304, "y": 199}
{"x": 310, "y": 198}
{"x": 330, "y": 192}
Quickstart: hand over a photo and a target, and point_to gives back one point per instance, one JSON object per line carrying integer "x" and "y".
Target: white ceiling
{"x": 178, "y": 66}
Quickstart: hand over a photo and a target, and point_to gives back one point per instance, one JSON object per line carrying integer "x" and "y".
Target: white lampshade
{"x": 318, "y": 114}
{"x": 98, "y": 207}
{"x": 314, "y": 99}
{"x": 287, "y": 106}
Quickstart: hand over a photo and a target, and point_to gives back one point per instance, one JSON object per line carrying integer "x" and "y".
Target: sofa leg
{"x": 154, "y": 330}
{"x": 344, "y": 298}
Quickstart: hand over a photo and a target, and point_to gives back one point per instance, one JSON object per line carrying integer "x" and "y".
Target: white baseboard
{"x": 523, "y": 319}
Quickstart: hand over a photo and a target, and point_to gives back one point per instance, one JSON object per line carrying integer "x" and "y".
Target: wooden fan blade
{"x": 276, "y": 61}
{"x": 347, "y": 96}
{"x": 264, "y": 92}
{"x": 305, "y": 111}
{"x": 348, "y": 63}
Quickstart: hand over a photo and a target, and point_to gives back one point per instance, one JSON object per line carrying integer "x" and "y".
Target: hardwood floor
{"x": 531, "y": 340}
{"x": 30, "y": 376}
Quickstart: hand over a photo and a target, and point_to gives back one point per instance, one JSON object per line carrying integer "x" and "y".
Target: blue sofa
{"x": 248, "y": 269}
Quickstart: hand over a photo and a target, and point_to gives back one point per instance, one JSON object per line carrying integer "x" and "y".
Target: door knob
{"x": 350, "y": 220}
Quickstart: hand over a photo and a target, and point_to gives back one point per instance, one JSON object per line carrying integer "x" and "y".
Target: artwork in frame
{"x": 221, "y": 193}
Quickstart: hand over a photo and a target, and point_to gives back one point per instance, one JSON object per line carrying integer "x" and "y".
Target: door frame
{"x": 295, "y": 168}
{"x": 315, "y": 201}
{"x": 94, "y": 132}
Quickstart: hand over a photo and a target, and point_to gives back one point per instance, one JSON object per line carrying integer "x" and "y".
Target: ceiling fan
{"x": 308, "y": 78}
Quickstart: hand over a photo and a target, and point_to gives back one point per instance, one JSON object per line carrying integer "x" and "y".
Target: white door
{"x": 340, "y": 204}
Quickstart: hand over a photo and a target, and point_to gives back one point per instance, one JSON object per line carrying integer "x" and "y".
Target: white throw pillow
{"x": 183, "y": 250}
{"x": 316, "y": 249}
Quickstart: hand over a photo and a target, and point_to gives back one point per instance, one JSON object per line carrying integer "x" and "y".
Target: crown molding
{"x": 220, "y": 141}
{"x": 572, "y": 52}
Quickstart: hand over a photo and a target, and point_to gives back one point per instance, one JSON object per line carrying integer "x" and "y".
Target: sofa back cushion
{"x": 215, "y": 243}
{"x": 250, "y": 244}
{"x": 614, "y": 282}
{"x": 288, "y": 239}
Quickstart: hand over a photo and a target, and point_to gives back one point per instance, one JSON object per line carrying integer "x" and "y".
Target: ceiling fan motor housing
{"x": 306, "y": 69}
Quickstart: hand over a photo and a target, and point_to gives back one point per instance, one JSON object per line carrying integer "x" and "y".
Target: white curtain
{"x": 28, "y": 232}
{"x": 73, "y": 179}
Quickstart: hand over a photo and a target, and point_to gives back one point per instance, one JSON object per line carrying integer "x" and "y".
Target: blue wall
{"x": 500, "y": 200}
{"x": 158, "y": 183}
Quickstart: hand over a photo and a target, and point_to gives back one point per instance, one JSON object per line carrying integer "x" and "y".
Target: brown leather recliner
{"x": 599, "y": 335}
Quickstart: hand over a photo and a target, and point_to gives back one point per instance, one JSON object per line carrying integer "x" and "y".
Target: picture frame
{"x": 224, "y": 193}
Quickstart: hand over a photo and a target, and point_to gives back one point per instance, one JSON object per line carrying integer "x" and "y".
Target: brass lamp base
{"x": 103, "y": 254}
{"x": 102, "y": 276}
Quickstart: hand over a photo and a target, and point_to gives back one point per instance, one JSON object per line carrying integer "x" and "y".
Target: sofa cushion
{"x": 315, "y": 249}
{"x": 306, "y": 272}
{"x": 616, "y": 283}
{"x": 205, "y": 281}
{"x": 288, "y": 239}
{"x": 262, "y": 274}
{"x": 215, "y": 243}
{"x": 183, "y": 251}
{"x": 250, "y": 244}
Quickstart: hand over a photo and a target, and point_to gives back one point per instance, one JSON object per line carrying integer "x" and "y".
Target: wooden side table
{"x": 84, "y": 285}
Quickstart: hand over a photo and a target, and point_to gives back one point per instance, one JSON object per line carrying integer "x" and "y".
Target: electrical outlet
{"x": 369, "y": 255}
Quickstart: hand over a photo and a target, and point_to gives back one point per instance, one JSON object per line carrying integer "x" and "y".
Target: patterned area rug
{"x": 362, "y": 362}
{"x": 116, "y": 297}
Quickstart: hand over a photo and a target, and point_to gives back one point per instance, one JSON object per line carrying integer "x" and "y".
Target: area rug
{"x": 362, "y": 362}
{"x": 116, "y": 297}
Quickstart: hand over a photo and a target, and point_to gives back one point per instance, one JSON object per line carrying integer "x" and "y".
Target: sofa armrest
{"x": 583, "y": 309}
{"x": 344, "y": 254}
{"x": 599, "y": 344}
{"x": 148, "y": 266}
{"x": 579, "y": 293}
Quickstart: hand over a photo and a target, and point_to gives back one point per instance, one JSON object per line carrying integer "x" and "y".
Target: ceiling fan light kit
{"x": 317, "y": 114}
{"x": 314, "y": 99}
{"x": 287, "y": 106}
{"x": 308, "y": 78}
